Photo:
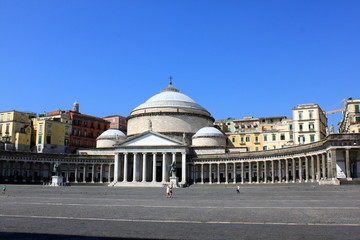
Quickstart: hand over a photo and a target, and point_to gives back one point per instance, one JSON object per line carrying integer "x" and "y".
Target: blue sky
{"x": 235, "y": 58}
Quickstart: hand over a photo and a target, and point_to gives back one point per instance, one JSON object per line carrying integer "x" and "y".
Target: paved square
{"x": 288, "y": 211}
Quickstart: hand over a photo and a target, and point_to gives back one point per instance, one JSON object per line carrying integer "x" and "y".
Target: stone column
{"x": 109, "y": 173}
{"x": 300, "y": 170}
{"x": 332, "y": 165}
{"x": 84, "y": 173}
{"x": 306, "y": 169}
{"x": 135, "y": 170}
{"x": 323, "y": 158}
{"x": 226, "y": 173}
{"x": 101, "y": 172}
{"x": 126, "y": 163}
{"x": 218, "y": 173}
{"x": 347, "y": 163}
{"x": 294, "y": 169}
{"x": 76, "y": 173}
{"x": 265, "y": 172}
{"x": 210, "y": 173}
{"x": 116, "y": 168}
{"x": 312, "y": 168}
{"x": 242, "y": 173}
{"x": 164, "y": 168}
{"x": 144, "y": 168}
{"x": 257, "y": 172}
{"x": 280, "y": 171}
{"x": 183, "y": 167}
{"x": 154, "y": 168}
{"x": 67, "y": 173}
{"x": 250, "y": 172}
{"x": 202, "y": 173}
{"x": 272, "y": 171}
{"x": 234, "y": 172}
{"x": 93, "y": 173}
{"x": 318, "y": 167}
{"x": 287, "y": 170}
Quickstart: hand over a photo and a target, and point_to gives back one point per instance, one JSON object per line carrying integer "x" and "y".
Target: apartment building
{"x": 16, "y": 130}
{"x": 309, "y": 123}
{"x": 350, "y": 122}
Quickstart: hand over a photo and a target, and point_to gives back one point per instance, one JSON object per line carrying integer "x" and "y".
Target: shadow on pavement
{"x": 31, "y": 236}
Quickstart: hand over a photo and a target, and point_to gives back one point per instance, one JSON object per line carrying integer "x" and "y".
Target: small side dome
{"x": 209, "y": 136}
{"x": 109, "y": 138}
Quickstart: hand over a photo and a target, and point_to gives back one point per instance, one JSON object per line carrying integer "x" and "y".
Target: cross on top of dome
{"x": 170, "y": 88}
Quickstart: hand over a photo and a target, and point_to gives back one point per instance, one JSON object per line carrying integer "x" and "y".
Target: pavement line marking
{"x": 179, "y": 221}
{"x": 189, "y": 207}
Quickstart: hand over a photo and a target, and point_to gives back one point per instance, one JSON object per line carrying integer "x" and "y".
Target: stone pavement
{"x": 288, "y": 211}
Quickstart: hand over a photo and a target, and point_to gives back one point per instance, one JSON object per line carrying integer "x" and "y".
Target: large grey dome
{"x": 209, "y": 132}
{"x": 110, "y": 137}
{"x": 170, "y": 97}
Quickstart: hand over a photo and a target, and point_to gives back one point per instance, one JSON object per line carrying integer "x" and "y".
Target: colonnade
{"x": 296, "y": 169}
{"x": 32, "y": 171}
{"x": 148, "y": 166}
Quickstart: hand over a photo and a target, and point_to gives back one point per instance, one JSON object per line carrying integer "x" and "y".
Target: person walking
{"x": 238, "y": 189}
{"x": 168, "y": 191}
{"x": 4, "y": 189}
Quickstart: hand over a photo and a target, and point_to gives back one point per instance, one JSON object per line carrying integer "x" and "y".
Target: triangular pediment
{"x": 150, "y": 139}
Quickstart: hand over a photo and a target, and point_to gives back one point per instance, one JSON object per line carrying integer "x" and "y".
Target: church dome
{"x": 170, "y": 97}
{"x": 208, "y": 132}
{"x": 169, "y": 112}
{"x": 109, "y": 138}
{"x": 208, "y": 137}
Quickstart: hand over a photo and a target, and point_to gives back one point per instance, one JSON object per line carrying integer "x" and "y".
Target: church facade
{"x": 172, "y": 139}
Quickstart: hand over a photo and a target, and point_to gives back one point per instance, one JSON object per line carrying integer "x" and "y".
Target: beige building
{"x": 309, "y": 124}
{"x": 15, "y": 130}
{"x": 351, "y": 117}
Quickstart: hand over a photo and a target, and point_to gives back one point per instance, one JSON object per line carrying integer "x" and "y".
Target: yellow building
{"x": 16, "y": 130}
{"x": 52, "y": 134}
{"x": 351, "y": 117}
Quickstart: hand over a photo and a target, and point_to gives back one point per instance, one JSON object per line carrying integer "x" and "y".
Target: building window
{"x": 66, "y": 142}
{"x": 1, "y": 117}
{"x": 233, "y": 139}
{"x": 312, "y": 138}
{"x": 311, "y": 114}
{"x": 49, "y": 128}
{"x": 357, "y": 108}
{"x": 282, "y": 137}
{"x": 290, "y": 127}
{"x": 357, "y": 119}
{"x": 256, "y": 139}
{"x": 48, "y": 139}
{"x": 265, "y": 138}
{"x": 40, "y": 127}
{"x": 247, "y": 139}
{"x": 301, "y": 127}
{"x": 39, "y": 139}
{"x": 0, "y": 129}
{"x": 301, "y": 139}
{"x": 311, "y": 126}
{"x": 300, "y": 116}
{"x": 274, "y": 137}
{"x": 242, "y": 139}
{"x": 256, "y": 148}
{"x": 265, "y": 148}
{"x": 291, "y": 137}
{"x": 7, "y": 130}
